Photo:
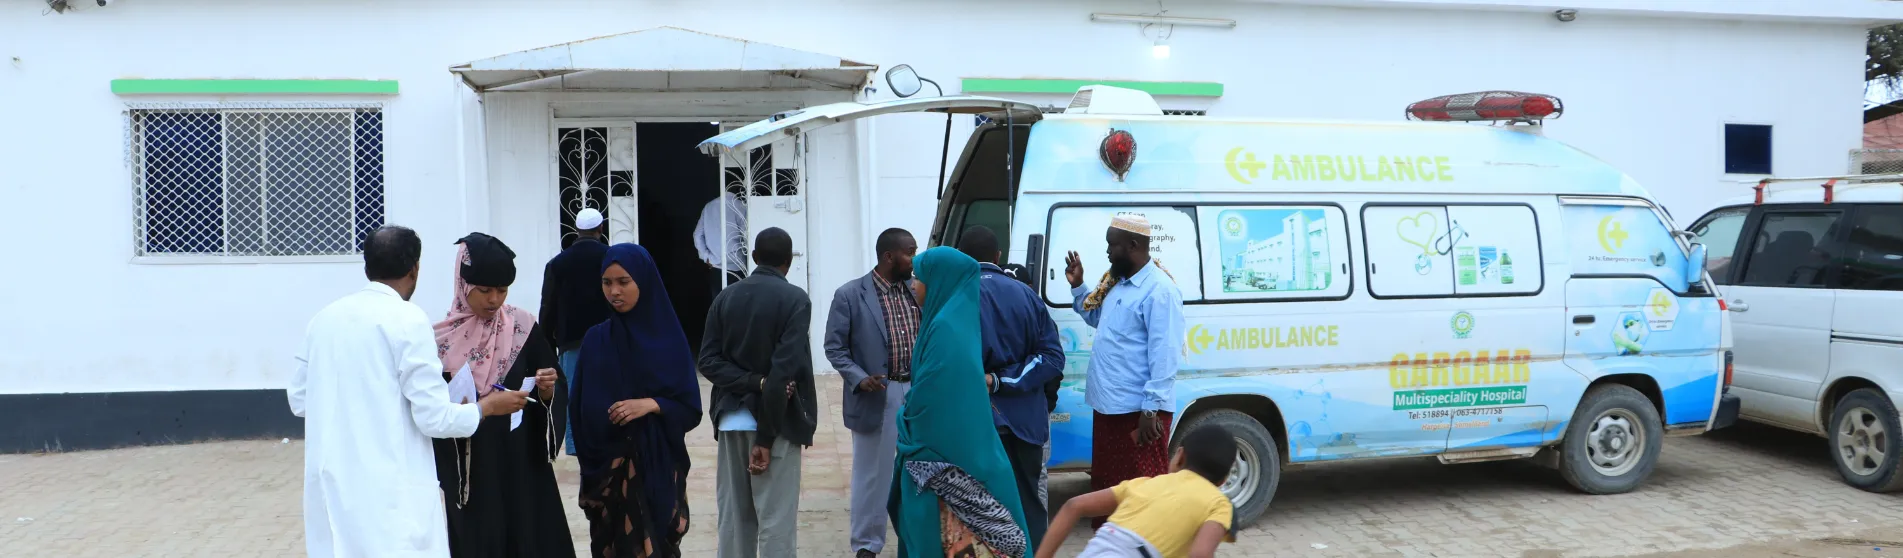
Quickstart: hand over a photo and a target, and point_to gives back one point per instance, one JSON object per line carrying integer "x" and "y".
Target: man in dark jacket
{"x": 572, "y": 301}
{"x": 757, "y": 354}
{"x": 1022, "y": 356}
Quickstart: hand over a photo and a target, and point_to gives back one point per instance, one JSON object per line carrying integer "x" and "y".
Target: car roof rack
{"x": 1829, "y": 183}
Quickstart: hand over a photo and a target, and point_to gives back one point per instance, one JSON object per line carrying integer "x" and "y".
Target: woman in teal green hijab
{"x": 953, "y": 492}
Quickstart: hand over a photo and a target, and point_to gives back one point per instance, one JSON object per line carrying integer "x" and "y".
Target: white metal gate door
{"x": 594, "y": 168}
{"x": 771, "y": 183}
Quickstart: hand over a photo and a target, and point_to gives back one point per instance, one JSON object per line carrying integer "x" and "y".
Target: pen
{"x": 499, "y": 387}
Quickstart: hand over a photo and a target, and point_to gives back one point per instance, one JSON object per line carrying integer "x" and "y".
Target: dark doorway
{"x": 675, "y": 181}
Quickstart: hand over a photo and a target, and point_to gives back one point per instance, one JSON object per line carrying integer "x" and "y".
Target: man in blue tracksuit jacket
{"x": 1023, "y": 356}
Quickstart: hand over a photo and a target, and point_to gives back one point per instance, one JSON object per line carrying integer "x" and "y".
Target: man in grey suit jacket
{"x": 869, "y": 335}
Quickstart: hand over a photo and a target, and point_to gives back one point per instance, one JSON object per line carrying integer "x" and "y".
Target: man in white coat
{"x": 371, "y": 390}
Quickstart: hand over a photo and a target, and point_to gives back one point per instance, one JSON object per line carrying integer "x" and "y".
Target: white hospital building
{"x": 185, "y": 181}
{"x": 1294, "y": 259}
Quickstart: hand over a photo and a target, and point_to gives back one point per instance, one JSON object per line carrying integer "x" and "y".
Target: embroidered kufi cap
{"x": 1131, "y": 222}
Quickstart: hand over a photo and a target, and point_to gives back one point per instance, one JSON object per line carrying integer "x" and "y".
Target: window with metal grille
{"x": 255, "y": 180}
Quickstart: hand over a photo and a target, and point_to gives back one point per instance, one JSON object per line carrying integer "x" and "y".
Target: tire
{"x": 1866, "y": 442}
{"x": 1250, "y": 487}
{"x": 1612, "y": 422}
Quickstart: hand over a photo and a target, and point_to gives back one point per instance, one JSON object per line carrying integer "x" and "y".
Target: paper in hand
{"x": 528, "y": 386}
{"x": 462, "y": 386}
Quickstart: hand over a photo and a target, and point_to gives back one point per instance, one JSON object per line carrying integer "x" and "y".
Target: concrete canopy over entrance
{"x": 569, "y": 126}
{"x": 664, "y": 59}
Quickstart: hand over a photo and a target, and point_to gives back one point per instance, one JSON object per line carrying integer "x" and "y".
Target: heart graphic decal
{"x": 1418, "y": 230}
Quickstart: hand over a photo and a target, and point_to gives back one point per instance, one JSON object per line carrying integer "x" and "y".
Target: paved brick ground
{"x": 1759, "y": 491}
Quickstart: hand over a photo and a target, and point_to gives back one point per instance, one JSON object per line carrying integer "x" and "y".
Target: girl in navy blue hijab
{"x": 637, "y": 396}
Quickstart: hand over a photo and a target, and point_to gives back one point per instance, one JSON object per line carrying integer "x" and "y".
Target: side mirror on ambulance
{"x": 1695, "y": 264}
{"x": 903, "y": 80}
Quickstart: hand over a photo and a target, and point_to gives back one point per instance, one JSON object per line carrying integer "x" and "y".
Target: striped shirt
{"x": 901, "y": 327}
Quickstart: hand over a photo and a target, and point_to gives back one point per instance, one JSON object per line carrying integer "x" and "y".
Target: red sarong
{"x": 1115, "y": 456}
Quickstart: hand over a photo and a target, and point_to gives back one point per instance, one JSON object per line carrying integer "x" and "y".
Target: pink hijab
{"x": 489, "y": 346}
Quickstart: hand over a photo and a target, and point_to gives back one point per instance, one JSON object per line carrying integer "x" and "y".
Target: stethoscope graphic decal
{"x": 1427, "y": 236}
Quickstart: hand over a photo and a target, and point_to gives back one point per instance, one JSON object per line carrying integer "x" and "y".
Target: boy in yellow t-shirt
{"x": 1181, "y": 514}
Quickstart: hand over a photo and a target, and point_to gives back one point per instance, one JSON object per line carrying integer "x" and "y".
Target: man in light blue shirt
{"x": 1138, "y": 347}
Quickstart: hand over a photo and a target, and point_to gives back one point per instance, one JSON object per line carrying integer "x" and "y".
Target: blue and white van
{"x": 1357, "y": 290}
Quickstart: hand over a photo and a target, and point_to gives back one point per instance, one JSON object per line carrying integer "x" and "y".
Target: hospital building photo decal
{"x": 1274, "y": 250}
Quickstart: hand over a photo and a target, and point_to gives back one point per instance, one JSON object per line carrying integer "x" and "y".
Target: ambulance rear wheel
{"x": 1258, "y": 468}
{"x": 1612, "y": 442}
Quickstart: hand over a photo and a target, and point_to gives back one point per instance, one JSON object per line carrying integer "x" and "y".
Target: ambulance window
{"x": 1275, "y": 252}
{"x": 991, "y": 214}
{"x": 1409, "y": 254}
{"x": 1081, "y": 229}
{"x": 1624, "y": 240}
{"x": 1496, "y": 249}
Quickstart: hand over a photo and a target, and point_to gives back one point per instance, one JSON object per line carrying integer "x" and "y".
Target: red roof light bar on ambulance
{"x": 1487, "y": 106}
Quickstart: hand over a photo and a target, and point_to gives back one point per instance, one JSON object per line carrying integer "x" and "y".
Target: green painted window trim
{"x": 254, "y": 86}
{"x": 1068, "y": 86}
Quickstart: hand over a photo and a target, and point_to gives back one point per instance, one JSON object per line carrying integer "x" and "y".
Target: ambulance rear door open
{"x": 977, "y": 192}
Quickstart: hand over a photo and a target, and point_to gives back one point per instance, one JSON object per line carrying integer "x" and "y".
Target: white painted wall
{"x": 1647, "y": 94}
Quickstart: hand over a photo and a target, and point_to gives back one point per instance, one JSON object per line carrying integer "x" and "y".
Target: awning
{"x": 664, "y": 59}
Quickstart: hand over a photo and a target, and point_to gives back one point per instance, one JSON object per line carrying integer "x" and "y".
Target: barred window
{"x": 230, "y": 180}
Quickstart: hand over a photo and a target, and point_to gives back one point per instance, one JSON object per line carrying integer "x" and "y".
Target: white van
{"x": 1356, "y": 290}
{"x": 1811, "y": 276}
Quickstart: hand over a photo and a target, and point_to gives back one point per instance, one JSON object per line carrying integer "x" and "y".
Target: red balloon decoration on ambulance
{"x": 1118, "y": 151}
{"x": 1487, "y": 106}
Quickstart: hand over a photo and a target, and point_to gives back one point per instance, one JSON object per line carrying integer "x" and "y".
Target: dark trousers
{"x": 713, "y": 280}
{"x": 1027, "y": 463}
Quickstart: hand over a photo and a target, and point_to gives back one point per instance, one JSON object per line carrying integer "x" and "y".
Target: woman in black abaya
{"x": 499, "y": 485}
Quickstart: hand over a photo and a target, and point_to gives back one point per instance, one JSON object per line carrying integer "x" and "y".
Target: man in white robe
{"x": 370, "y": 388}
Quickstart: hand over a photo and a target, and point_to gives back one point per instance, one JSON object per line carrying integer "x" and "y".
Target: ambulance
{"x": 1458, "y": 287}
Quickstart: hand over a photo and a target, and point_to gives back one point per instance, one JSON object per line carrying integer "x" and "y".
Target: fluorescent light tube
{"x": 1163, "y": 20}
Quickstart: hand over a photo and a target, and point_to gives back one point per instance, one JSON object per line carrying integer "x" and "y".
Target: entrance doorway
{"x": 650, "y": 183}
{"x": 676, "y": 182}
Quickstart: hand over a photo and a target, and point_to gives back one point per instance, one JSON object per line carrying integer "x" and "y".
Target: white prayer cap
{"x": 1131, "y": 222}
{"x": 587, "y": 219}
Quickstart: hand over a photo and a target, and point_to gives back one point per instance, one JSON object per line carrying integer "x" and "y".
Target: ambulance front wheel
{"x": 1258, "y": 468}
{"x": 1613, "y": 441}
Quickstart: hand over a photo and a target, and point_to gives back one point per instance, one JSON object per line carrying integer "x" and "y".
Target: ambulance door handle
{"x": 1738, "y": 306}
{"x": 1584, "y": 320}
